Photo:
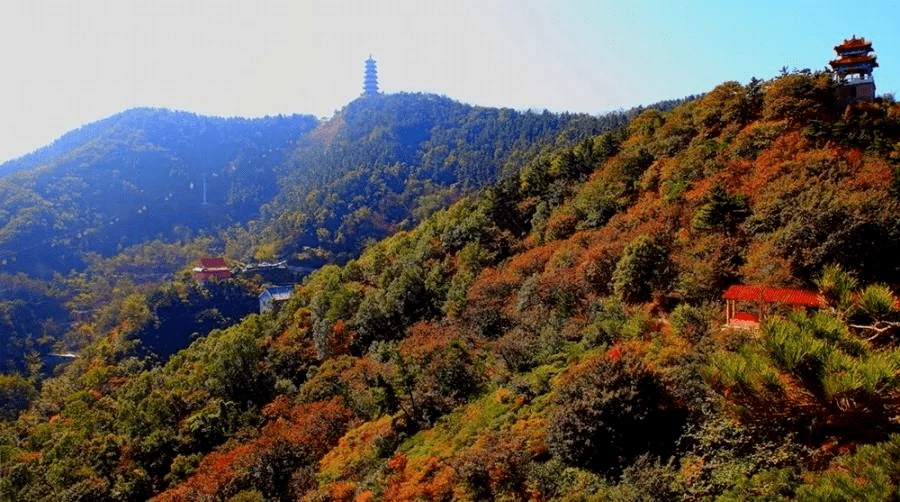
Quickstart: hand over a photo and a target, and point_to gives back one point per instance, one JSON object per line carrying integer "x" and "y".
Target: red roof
{"x": 212, "y": 267}
{"x": 772, "y": 295}
{"x": 849, "y": 60}
{"x": 212, "y": 263}
{"x": 854, "y": 43}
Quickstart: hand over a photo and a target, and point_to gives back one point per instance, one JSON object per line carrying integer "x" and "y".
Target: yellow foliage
{"x": 355, "y": 449}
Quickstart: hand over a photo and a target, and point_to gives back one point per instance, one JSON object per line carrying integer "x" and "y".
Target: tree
{"x": 611, "y": 410}
{"x": 643, "y": 267}
{"x": 722, "y": 211}
{"x": 836, "y": 289}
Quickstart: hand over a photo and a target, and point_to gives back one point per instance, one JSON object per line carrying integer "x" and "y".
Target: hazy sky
{"x": 66, "y": 63}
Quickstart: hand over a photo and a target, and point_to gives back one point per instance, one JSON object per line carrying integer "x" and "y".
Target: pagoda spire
{"x": 370, "y": 81}
{"x": 853, "y": 70}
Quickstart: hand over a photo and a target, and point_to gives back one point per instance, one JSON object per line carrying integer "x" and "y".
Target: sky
{"x": 67, "y": 63}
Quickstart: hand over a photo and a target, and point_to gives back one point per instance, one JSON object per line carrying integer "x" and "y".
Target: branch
{"x": 879, "y": 327}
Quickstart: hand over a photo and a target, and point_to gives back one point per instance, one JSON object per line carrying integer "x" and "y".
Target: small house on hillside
{"x": 758, "y": 301}
{"x": 212, "y": 268}
{"x": 273, "y": 298}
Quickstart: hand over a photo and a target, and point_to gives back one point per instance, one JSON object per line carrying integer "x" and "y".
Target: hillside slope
{"x": 385, "y": 162}
{"x": 121, "y": 205}
{"x": 558, "y": 336}
{"x": 133, "y": 177}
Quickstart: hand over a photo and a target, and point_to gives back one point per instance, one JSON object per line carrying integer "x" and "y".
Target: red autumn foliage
{"x": 297, "y": 437}
{"x": 427, "y": 478}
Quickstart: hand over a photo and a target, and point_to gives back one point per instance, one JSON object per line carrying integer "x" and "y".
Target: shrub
{"x": 799, "y": 98}
{"x": 519, "y": 349}
{"x": 797, "y": 351}
{"x": 692, "y": 322}
{"x": 836, "y": 289}
{"x": 609, "y": 411}
{"x": 877, "y": 302}
{"x": 643, "y": 267}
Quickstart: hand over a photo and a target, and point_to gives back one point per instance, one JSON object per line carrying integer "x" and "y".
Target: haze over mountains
{"x": 152, "y": 173}
{"x": 136, "y": 176}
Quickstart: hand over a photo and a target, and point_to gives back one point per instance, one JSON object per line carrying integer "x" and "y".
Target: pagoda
{"x": 370, "y": 81}
{"x": 853, "y": 70}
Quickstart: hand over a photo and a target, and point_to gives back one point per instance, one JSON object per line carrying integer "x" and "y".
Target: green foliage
{"x": 519, "y": 349}
{"x": 728, "y": 104}
{"x": 393, "y": 152}
{"x": 433, "y": 377}
{"x": 628, "y": 167}
{"x": 836, "y": 289}
{"x": 756, "y": 138}
{"x": 16, "y": 392}
{"x": 32, "y": 317}
{"x": 821, "y": 227}
{"x": 869, "y": 474}
{"x": 799, "y": 97}
{"x": 384, "y": 312}
{"x": 797, "y": 350}
{"x": 694, "y": 323}
{"x": 478, "y": 355}
{"x": 731, "y": 461}
{"x": 722, "y": 211}
{"x": 746, "y": 370}
{"x": 864, "y": 125}
{"x": 609, "y": 319}
{"x": 597, "y": 203}
{"x": 642, "y": 268}
{"x": 646, "y": 124}
{"x": 878, "y": 302}
{"x": 609, "y": 411}
{"x": 177, "y": 312}
{"x": 126, "y": 179}
{"x": 230, "y": 364}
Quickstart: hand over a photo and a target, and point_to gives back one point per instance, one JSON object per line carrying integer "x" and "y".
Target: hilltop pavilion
{"x": 853, "y": 70}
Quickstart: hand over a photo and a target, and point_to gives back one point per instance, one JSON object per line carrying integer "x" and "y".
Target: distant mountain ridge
{"x": 134, "y": 176}
{"x": 384, "y": 162}
{"x": 120, "y": 205}
{"x": 149, "y": 173}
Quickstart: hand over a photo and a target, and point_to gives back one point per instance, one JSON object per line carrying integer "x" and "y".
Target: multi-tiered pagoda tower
{"x": 853, "y": 70}
{"x": 370, "y": 81}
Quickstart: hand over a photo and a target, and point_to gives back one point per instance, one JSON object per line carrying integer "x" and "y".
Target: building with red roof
{"x": 762, "y": 299}
{"x": 853, "y": 70}
{"x": 212, "y": 268}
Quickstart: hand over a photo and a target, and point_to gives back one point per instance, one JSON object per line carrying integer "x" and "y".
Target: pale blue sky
{"x": 66, "y": 63}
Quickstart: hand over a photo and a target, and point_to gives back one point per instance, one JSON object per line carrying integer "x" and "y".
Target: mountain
{"x": 384, "y": 162}
{"x": 120, "y": 206}
{"x": 135, "y": 176}
{"x": 150, "y": 174}
{"x": 556, "y": 335}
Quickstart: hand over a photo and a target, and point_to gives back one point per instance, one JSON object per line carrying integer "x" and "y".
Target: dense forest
{"x": 114, "y": 191}
{"x": 134, "y": 177}
{"x": 385, "y": 162}
{"x": 115, "y": 210}
{"x": 542, "y": 321}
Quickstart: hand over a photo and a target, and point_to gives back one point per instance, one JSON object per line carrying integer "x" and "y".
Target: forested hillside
{"x": 384, "y": 162}
{"x": 74, "y": 212}
{"x": 556, "y": 336}
{"x": 136, "y": 176}
{"x": 113, "y": 211}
